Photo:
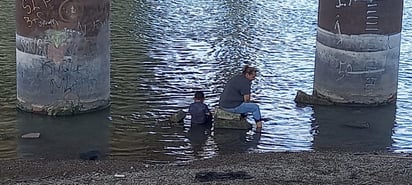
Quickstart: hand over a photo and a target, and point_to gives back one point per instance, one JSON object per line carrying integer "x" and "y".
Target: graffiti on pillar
{"x": 70, "y": 79}
{"x": 86, "y": 17}
{"x": 36, "y": 16}
{"x": 372, "y": 69}
{"x": 70, "y": 11}
{"x": 343, "y": 3}
{"x": 61, "y": 43}
{"x": 370, "y": 85}
{"x": 337, "y": 28}
{"x": 33, "y": 12}
{"x": 371, "y": 72}
{"x": 31, "y": 46}
{"x": 361, "y": 16}
{"x": 372, "y": 17}
{"x": 344, "y": 69}
{"x": 67, "y": 77}
{"x": 57, "y": 46}
{"x": 96, "y": 18}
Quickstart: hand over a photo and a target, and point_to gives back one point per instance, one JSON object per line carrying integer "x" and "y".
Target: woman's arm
{"x": 246, "y": 98}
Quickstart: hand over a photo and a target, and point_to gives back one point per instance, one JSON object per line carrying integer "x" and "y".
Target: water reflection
{"x": 353, "y": 129}
{"x": 236, "y": 141}
{"x": 63, "y": 137}
{"x": 8, "y": 141}
{"x": 207, "y": 142}
{"x": 201, "y": 141}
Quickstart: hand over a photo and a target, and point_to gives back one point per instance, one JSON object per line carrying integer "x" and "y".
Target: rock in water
{"x": 302, "y": 97}
{"x": 224, "y": 119}
{"x": 90, "y": 155}
{"x": 178, "y": 116}
{"x": 31, "y": 136}
{"x": 225, "y": 115}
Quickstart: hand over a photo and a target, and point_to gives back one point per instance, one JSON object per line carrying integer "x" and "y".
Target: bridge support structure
{"x": 357, "y": 51}
{"x": 62, "y": 56}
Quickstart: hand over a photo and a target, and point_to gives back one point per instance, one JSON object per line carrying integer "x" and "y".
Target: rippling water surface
{"x": 164, "y": 50}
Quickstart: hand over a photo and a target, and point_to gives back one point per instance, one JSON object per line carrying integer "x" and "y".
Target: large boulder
{"x": 228, "y": 120}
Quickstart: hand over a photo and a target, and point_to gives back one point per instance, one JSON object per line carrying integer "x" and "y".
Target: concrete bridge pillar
{"x": 62, "y": 55}
{"x": 357, "y": 51}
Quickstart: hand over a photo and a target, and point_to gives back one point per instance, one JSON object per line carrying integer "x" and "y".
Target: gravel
{"x": 247, "y": 168}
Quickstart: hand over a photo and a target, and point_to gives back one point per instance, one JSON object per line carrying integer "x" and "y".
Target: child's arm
{"x": 207, "y": 111}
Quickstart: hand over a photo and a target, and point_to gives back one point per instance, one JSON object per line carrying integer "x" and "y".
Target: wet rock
{"x": 225, "y": 115}
{"x": 243, "y": 124}
{"x": 177, "y": 117}
{"x": 360, "y": 125}
{"x": 91, "y": 155}
{"x": 221, "y": 176}
{"x": 302, "y": 97}
{"x": 228, "y": 120}
{"x": 31, "y": 136}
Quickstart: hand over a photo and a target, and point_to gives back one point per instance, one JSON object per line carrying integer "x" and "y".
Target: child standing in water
{"x": 199, "y": 112}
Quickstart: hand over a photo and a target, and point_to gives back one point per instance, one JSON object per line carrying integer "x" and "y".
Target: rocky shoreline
{"x": 254, "y": 168}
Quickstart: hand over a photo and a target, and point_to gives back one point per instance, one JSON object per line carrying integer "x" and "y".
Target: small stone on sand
{"x": 31, "y": 136}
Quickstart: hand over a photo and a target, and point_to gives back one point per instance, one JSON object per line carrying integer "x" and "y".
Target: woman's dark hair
{"x": 249, "y": 70}
{"x": 199, "y": 95}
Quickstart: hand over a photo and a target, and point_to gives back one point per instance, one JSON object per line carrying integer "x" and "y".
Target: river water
{"x": 163, "y": 50}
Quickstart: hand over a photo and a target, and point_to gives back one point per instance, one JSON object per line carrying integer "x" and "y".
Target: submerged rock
{"x": 31, "y": 136}
{"x": 178, "y": 117}
{"x": 358, "y": 125}
{"x": 302, "y": 97}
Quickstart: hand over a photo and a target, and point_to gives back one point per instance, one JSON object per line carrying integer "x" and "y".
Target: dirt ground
{"x": 264, "y": 168}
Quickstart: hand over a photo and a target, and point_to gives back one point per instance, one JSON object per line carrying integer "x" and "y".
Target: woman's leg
{"x": 249, "y": 108}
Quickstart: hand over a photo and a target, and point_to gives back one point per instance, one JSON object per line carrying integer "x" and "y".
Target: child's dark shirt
{"x": 198, "y": 112}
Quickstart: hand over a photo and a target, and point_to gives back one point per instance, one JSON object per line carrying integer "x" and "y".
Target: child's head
{"x": 199, "y": 96}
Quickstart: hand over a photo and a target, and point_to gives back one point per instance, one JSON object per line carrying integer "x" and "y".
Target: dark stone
{"x": 221, "y": 176}
{"x": 243, "y": 124}
{"x": 358, "y": 125}
{"x": 303, "y": 98}
{"x": 91, "y": 155}
{"x": 178, "y": 116}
